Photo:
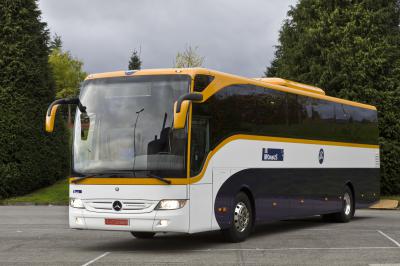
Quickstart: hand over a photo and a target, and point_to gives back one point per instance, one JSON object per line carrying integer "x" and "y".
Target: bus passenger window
{"x": 323, "y": 116}
{"x": 361, "y": 125}
{"x": 342, "y": 116}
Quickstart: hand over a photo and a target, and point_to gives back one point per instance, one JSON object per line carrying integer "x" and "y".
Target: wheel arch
{"x": 247, "y": 191}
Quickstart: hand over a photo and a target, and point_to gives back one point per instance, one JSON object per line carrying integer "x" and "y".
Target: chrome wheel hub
{"x": 347, "y": 204}
{"x": 241, "y": 217}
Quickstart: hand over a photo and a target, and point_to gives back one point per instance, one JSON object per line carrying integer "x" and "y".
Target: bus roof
{"x": 222, "y": 80}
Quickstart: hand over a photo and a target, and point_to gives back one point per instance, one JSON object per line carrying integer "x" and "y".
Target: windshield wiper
{"x": 159, "y": 178}
{"x": 93, "y": 175}
{"x": 80, "y": 178}
{"x": 117, "y": 175}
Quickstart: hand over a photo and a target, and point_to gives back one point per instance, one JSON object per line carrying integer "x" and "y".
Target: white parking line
{"x": 286, "y": 249}
{"x": 397, "y": 264}
{"x": 388, "y": 237}
{"x": 95, "y": 259}
{"x": 340, "y": 230}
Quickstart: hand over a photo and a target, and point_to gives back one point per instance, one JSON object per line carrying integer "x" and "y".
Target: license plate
{"x": 116, "y": 221}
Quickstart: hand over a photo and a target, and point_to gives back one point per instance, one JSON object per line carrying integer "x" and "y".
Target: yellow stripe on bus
{"x": 222, "y": 80}
{"x": 197, "y": 178}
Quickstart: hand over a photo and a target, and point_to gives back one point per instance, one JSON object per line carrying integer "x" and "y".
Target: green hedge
{"x": 351, "y": 50}
{"x": 29, "y": 157}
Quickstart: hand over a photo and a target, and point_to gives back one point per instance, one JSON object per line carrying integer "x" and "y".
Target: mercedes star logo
{"x": 117, "y": 205}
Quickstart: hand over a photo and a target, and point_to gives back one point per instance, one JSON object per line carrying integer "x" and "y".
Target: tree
{"x": 134, "y": 62}
{"x": 189, "y": 58}
{"x": 351, "y": 49}
{"x": 56, "y": 42}
{"x": 29, "y": 158}
{"x": 67, "y": 73}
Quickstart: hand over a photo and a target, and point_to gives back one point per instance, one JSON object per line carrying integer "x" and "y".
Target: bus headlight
{"x": 76, "y": 203}
{"x": 170, "y": 204}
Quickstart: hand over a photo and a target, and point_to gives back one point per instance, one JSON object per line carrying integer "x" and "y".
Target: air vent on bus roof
{"x": 292, "y": 84}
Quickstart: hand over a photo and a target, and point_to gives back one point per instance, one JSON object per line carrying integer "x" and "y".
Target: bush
{"x": 29, "y": 158}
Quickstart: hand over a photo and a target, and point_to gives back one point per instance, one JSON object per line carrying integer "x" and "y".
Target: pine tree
{"x": 29, "y": 158}
{"x": 350, "y": 48}
{"x": 56, "y": 43}
{"x": 135, "y": 63}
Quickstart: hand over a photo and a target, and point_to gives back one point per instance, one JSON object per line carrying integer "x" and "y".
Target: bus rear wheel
{"x": 242, "y": 219}
{"x": 347, "y": 209}
{"x": 143, "y": 235}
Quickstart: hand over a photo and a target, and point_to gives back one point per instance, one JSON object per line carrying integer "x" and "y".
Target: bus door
{"x": 201, "y": 205}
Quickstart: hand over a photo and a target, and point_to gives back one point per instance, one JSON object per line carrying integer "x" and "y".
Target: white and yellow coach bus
{"x": 191, "y": 150}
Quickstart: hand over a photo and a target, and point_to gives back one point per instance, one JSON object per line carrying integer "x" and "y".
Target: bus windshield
{"x": 127, "y": 127}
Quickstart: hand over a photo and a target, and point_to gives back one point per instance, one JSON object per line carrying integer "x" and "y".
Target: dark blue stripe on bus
{"x": 284, "y": 193}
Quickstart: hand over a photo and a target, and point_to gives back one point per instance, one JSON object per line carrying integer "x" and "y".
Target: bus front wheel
{"x": 242, "y": 219}
{"x": 143, "y": 235}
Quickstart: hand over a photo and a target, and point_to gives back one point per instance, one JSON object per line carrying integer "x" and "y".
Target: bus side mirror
{"x": 85, "y": 125}
{"x": 52, "y": 110}
{"x": 180, "y": 118}
{"x": 50, "y": 117}
{"x": 181, "y": 108}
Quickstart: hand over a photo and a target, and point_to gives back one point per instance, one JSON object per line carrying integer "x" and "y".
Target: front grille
{"x": 128, "y": 206}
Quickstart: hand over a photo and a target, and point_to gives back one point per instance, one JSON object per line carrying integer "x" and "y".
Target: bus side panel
{"x": 366, "y": 188}
{"x": 293, "y": 193}
{"x": 298, "y": 185}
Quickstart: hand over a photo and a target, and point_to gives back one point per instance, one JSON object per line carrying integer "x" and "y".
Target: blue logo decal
{"x": 272, "y": 154}
{"x": 129, "y": 72}
{"x": 321, "y": 156}
{"x": 77, "y": 191}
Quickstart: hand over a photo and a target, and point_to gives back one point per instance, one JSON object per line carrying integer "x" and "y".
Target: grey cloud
{"x": 234, "y": 36}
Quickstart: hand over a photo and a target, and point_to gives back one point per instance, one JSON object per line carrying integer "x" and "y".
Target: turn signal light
{"x": 223, "y": 209}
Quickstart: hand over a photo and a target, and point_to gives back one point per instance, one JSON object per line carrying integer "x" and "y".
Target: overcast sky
{"x": 234, "y": 36}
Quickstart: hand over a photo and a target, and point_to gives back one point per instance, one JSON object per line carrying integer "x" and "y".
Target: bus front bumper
{"x": 154, "y": 221}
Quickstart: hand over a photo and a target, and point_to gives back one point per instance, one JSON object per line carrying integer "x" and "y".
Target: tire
{"x": 242, "y": 220}
{"x": 347, "y": 209}
{"x": 143, "y": 235}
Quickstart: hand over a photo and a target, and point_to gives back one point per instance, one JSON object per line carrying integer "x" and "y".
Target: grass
{"x": 56, "y": 194}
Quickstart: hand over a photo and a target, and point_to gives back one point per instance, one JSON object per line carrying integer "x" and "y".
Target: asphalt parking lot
{"x": 39, "y": 235}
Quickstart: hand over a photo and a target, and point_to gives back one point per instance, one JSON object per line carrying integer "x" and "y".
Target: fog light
{"x": 162, "y": 223}
{"x": 79, "y": 220}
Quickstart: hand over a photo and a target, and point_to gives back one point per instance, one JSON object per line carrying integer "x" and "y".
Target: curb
{"x": 386, "y": 204}
{"x": 31, "y": 204}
